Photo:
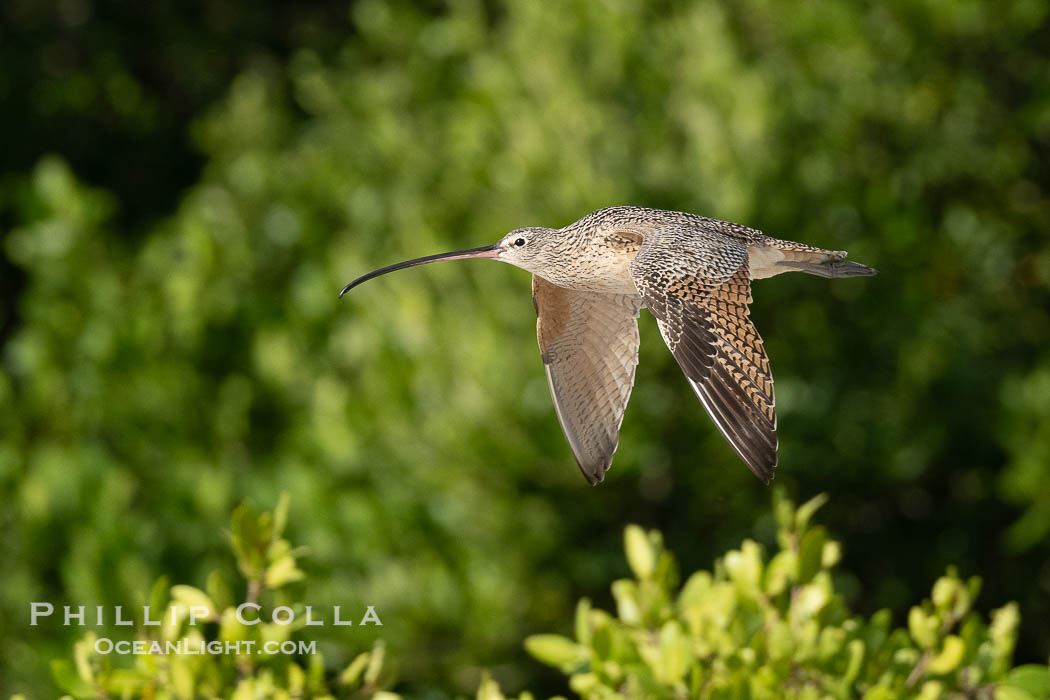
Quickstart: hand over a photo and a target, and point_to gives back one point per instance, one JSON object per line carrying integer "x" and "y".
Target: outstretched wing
{"x": 589, "y": 345}
{"x": 697, "y": 285}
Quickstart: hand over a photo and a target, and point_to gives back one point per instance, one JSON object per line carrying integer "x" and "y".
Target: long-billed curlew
{"x": 591, "y": 278}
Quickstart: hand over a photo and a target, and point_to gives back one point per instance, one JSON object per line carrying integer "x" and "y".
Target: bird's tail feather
{"x": 832, "y": 269}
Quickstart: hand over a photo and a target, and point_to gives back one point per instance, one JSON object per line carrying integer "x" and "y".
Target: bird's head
{"x": 527, "y": 248}
{"x": 522, "y": 247}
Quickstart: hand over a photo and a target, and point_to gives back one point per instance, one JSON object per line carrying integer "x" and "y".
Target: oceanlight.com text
{"x": 142, "y": 647}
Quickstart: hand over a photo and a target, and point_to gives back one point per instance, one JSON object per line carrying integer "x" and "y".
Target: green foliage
{"x": 757, "y": 626}
{"x": 762, "y": 626}
{"x": 153, "y": 377}
{"x": 201, "y": 648}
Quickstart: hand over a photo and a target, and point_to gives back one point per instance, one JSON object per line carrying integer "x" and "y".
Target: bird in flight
{"x": 591, "y": 278}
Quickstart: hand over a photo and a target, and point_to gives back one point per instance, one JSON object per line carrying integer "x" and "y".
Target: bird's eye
{"x": 520, "y": 242}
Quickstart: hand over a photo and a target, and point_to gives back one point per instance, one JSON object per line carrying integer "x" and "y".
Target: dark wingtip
{"x": 763, "y": 474}
{"x": 765, "y": 469}
{"x": 593, "y": 476}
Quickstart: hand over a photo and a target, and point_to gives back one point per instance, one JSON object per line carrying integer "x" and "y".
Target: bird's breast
{"x": 599, "y": 265}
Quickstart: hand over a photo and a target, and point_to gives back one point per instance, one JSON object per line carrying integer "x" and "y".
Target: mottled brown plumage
{"x": 591, "y": 278}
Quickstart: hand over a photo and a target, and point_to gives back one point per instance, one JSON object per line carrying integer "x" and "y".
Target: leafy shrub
{"x": 755, "y": 626}
{"x": 768, "y": 627}
{"x": 268, "y": 564}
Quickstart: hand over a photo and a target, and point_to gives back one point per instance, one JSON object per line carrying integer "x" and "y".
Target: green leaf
{"x": 230, "y": 628}
{"x": 950, "y": 657}
{"x": 82, "y": 651}
{"x": 923, "y": 628}
{"x": 666, "y": 576}
{"x": 856, "y": 649}
{"x": 555, "y": 650}
{"x": 832, "y": 554}
{"x": 272, "y": 632}
{"x": 931, "y": 690}
{"x": 781, "y": 571}
{"x": 807, "y": 602}
{"x": 489, "y": 689}
{"x": 194, "y": 598}
{"x": 281, "y": 572}
{"x": 584, "y": 684}
{"x": 744, "y": 566}
{"x": 951, "y": 596}
{"x": 352, "y": 672}
{"x": 1005, "y": 622}
{"x": 375, "y": 662}
{"x": 640, "y": 554}
{"x": 583, "y": 621}
{"x": 1031, "y": 678}
{"x": 125, "y": 682}
{"x": 881, "y": 692}
{"x": 811, "y": 554}
{"x": 1009, "y": 692}
{"x": 674, "y": 655}
{"x": 807, "y": 509}
{"x": 694, "y": 590}
{"x": 625, "y": 592}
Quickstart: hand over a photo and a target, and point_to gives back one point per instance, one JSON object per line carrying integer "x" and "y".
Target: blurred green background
{"x": 184, "y": 188}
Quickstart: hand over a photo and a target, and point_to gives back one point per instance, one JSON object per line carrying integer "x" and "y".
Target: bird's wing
{"x": 697, "y": 285}
{"x": 589, "y": 345}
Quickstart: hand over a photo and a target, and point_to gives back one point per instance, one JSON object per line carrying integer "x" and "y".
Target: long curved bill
{"x": 488, "y": 251}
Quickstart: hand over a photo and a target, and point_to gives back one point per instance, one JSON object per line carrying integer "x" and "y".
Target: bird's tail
{"x": 834, "y": 268}
{"x": 818, "y": 261}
